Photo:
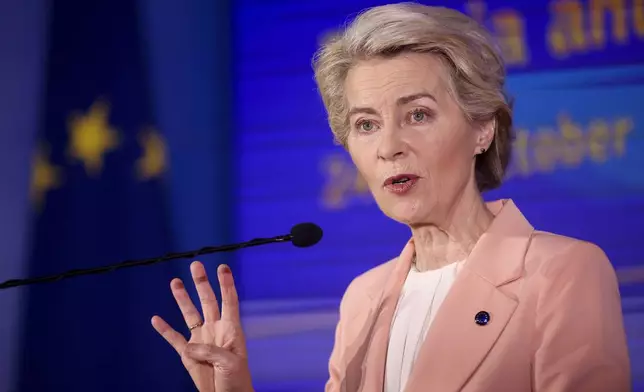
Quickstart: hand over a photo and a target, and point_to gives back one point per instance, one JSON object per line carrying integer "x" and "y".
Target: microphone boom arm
{"x": 133, "y": 263}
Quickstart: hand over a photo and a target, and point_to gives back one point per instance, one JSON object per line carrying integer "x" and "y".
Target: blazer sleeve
{"x": 335, "y": 382}
{"x": 580, "y": 337}
{"x": 335, "y": 363}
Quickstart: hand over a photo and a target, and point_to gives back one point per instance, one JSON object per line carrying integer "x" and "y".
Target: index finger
{"x": 229, "y": 298}
{"x": 176, "y": 340}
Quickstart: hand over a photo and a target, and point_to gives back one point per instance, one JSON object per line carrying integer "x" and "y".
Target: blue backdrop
{"x": 577, "y": 170}
{"x": 168, "y": 102}
{"x": 98, "y": 195}
{"x": 21, "y": 74}
{"x": 219, "y": 96}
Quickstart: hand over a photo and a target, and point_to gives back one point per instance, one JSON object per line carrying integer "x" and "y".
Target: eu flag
{"x": 99, "y": 197}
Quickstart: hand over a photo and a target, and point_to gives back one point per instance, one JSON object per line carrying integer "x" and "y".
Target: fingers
{"x": 188, "y": 310}
{"x": 206, "y": 294}
{"x": 229, "y": 299}
{"x": 176, "y": 340}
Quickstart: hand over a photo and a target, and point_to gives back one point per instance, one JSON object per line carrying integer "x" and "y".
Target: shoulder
{"x": 550, "y": 250}
{"x": 576, "y": 308}
{"x": 554, "y": 258}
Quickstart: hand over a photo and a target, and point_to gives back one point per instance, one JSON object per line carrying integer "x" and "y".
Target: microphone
{"x": 302, "y": 235}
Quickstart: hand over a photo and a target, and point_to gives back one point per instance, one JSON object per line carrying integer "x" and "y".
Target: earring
{"x": 482, "y": 150}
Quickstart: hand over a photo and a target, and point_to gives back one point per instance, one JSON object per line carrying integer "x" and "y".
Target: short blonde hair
{"x": 477, "y": 71}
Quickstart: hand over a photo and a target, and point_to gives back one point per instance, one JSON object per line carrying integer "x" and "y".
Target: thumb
{"x": 210, "y": 353}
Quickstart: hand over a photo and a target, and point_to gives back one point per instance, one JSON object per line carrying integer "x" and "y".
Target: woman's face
{"x": 409, "y": 139}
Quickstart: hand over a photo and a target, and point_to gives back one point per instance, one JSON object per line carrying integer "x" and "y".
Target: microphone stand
{"x": 133, "y": 263}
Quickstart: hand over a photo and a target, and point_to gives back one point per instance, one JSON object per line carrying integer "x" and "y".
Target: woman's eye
{"x": 418, "y": 116}
{"x": 366, "y": 126}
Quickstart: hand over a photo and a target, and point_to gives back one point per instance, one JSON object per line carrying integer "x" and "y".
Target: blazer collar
{"x": 504, "y": 244}
{"x": 499, "y": 253}
{"x": 497, "y": 259}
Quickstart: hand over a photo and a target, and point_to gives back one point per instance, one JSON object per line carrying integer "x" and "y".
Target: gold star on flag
{"x": 44, "y": 176}
{"x": 91, "y": 137}
{"x": 153, "y": 161}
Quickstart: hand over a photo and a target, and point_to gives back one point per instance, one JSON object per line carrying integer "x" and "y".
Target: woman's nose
{"x": 392, "y": 146}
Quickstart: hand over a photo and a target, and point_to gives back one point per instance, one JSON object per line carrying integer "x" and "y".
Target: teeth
{"x": 401, "y": 180}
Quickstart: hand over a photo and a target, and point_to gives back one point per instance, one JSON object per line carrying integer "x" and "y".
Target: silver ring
{"x": 197, "y": 325}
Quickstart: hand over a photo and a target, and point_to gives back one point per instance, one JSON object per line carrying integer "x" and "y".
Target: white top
{"x": 421, "y": 296}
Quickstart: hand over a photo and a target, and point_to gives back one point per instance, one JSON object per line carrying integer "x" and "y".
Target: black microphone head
{"x": 306, "y": 234}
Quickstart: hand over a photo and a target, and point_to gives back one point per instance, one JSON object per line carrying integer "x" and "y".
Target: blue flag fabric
{"x": 99, "y": 197}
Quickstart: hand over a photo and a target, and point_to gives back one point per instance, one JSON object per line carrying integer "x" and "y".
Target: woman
{"x": 478, "y": 300}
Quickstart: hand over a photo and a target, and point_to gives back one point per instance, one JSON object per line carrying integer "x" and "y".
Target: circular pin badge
{"x": 482, "y": 318}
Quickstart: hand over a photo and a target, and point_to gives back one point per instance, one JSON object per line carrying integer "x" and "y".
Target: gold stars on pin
{"x": 91, "y": 137}
{"x": 152, "y": 163}
{"x": 44, "y": 176}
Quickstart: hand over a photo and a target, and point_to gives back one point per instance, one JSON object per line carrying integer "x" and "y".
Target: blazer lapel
{"x": 455, "y": 344}
{"x": 367, "y": 369}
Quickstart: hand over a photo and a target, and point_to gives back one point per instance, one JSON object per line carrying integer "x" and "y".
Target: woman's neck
{"x": 452, "y": 240}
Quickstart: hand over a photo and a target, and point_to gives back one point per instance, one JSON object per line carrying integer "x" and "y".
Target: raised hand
{"x": 215, "y": 356}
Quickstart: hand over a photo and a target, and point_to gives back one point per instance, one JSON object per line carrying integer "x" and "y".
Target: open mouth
{"x": 401, "y": 183}
{"x": 400, "y": 179}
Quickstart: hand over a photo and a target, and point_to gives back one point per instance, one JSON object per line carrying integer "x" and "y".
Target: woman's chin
{"x": 405, "y": 213}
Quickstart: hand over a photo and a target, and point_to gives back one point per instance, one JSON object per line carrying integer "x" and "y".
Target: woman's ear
{"x": 485, "y": 136}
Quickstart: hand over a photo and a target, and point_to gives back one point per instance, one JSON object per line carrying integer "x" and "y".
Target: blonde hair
{"x": 476, "y": 69}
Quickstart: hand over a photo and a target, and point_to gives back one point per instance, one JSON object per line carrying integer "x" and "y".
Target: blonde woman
{"x": 478, "y": 300}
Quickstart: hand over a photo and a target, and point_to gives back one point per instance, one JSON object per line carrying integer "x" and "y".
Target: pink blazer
{"x": 555, "y": 319}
